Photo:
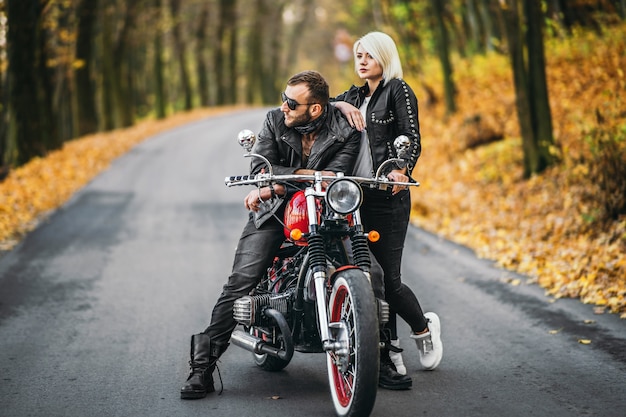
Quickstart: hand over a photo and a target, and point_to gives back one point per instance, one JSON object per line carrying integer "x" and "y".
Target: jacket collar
{"x": 325, "y": 136}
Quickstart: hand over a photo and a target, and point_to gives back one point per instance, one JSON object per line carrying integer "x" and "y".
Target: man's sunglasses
{"x": 291, "y": 103}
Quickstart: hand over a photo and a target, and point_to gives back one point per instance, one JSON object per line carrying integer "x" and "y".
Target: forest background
{"x": 522, "y": 109}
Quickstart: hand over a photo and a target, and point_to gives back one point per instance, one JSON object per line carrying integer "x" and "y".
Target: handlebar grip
{"x": 241, "y": 178}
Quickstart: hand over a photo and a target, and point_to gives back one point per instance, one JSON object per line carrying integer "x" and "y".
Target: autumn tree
{"x": 226, "y": 53}
{"x": 160, "y": 100}
{"x": 179, "y": 52}
{"x": 4, "y": 167}
{"x": 203, "y": 42}
{"x": 525, "y": 43}
{"x": 441, "y": 37}
{"x": 262, "y": 52}
{"x": 30, "y": 84}
{"x": 84, "y": 70}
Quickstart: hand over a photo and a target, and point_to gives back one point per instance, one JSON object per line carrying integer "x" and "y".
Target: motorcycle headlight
{"x": 344, "y": 196}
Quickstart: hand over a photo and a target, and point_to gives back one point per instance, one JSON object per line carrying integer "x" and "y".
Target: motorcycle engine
{"x": 248, "y": 310}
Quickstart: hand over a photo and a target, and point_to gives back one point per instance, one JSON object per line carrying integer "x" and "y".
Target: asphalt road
{"x": 98, "y": 303}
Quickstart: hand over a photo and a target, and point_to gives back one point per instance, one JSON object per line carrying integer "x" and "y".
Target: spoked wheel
{"x": 353, "y": 365}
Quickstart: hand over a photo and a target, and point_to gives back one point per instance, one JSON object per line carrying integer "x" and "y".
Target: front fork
{"x": 321, "y": 300}
{"x": 317, "y": 259}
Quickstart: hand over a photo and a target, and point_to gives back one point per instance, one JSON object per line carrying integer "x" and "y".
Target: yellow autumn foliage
{"x": 542, "y": 227}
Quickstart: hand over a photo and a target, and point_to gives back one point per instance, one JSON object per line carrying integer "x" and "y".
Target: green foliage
{"x": 411, "y": 21}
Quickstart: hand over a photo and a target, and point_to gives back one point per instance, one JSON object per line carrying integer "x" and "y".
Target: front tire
{"x": 353, "y": 368}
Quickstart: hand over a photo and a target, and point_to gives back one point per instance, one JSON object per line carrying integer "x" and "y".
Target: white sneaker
{"x": 396, "y": 358}
{"x": 429, "y": 344}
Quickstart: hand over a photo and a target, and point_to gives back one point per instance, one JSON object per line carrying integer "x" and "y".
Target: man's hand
{"x": 254, "y": 197}
{"x": 253, "y": 200}
{"x": 327, "y": 174}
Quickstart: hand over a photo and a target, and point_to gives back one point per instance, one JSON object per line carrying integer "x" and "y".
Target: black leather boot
{"x": 202, "y": 363}
{"x": 388, "y": 378}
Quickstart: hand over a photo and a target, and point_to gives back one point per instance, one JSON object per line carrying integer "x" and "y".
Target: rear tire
{"x": 353, "y": 369}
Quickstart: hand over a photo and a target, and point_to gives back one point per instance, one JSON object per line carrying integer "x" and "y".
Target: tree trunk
{"x": 160, "y": 101}
{"x": 441, "y": 36}
{"x": 108, "y": 75}
{"x": 49, "y": 108}
{"x": 537, "y": 88}
{"x": 256, "y": 38}
{"x": 59, "y": 78}
{"x": 4, "y": 122}
{"x": 122, "y": 85}
{"x": 85, "y": 87}
{"x": 533, "y": 109}
{"x": 201, "y": 44}
{"x": 232, "y": 56}
{"x": 474, "y": 21}
{"x": 29, "y": 92}
{"x": 179, "y": 52}
{"x": 516, "y": 54}
{"x": 225, "y": 62}
{"x": 488, "y": 24}
{"x": 294, "y": 45}
{"x": 276, "y": 55}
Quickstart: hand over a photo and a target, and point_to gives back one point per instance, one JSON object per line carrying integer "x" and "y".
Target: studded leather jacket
{"x": 392, "y": 111}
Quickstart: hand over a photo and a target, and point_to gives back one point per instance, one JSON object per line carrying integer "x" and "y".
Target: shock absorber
{"x": 317, "y": 264}
{"x": 317, "y": 258}
{"x": 360, "y": 251}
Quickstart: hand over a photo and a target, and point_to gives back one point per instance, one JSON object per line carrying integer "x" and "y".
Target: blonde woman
{"x": 382, "y": 109}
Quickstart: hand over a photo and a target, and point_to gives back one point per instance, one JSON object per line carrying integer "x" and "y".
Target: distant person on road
{"x": 306, "y": 134}
{"x": 382, "y": 109}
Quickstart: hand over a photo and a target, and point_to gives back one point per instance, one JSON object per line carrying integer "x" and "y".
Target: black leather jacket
{"x": 335, "y": 148}
{"x": 392, "y": 111}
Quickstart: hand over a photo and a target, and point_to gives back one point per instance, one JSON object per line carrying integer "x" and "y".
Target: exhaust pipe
{"x": 259, "y": 346}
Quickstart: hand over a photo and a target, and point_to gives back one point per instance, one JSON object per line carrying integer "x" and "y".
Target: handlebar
{"x": 247, "y": 139}
{"x": 264, "y": 179}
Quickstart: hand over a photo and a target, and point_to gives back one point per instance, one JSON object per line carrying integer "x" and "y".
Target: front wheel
{"x": 353, "y": 365}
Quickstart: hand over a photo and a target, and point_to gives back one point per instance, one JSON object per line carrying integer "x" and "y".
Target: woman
{"x": 382, "y": 109}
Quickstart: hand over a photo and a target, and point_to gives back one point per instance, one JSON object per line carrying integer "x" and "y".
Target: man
{"x": 304, "y": 135}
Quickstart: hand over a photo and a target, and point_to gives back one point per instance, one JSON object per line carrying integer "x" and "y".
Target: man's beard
{"x": 301, "y": 120}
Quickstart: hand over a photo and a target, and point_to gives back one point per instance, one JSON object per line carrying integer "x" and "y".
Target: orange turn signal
{"x": 295, "y": 234}
{"x": 373, "y": 236}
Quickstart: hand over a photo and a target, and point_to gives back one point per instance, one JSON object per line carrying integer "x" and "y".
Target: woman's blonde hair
{"x": 383, "y": 49}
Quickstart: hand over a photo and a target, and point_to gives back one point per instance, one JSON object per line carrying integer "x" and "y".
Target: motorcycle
{"x": 317, "y": 295}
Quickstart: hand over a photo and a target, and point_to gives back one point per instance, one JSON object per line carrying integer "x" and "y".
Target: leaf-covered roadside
{"x": 42, "y": 185}
{"x": 550, "y": 227}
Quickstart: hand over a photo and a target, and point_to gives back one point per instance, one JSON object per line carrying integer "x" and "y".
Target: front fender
{"x": 349, "y": 269}
{"x": 382, "y": 307}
